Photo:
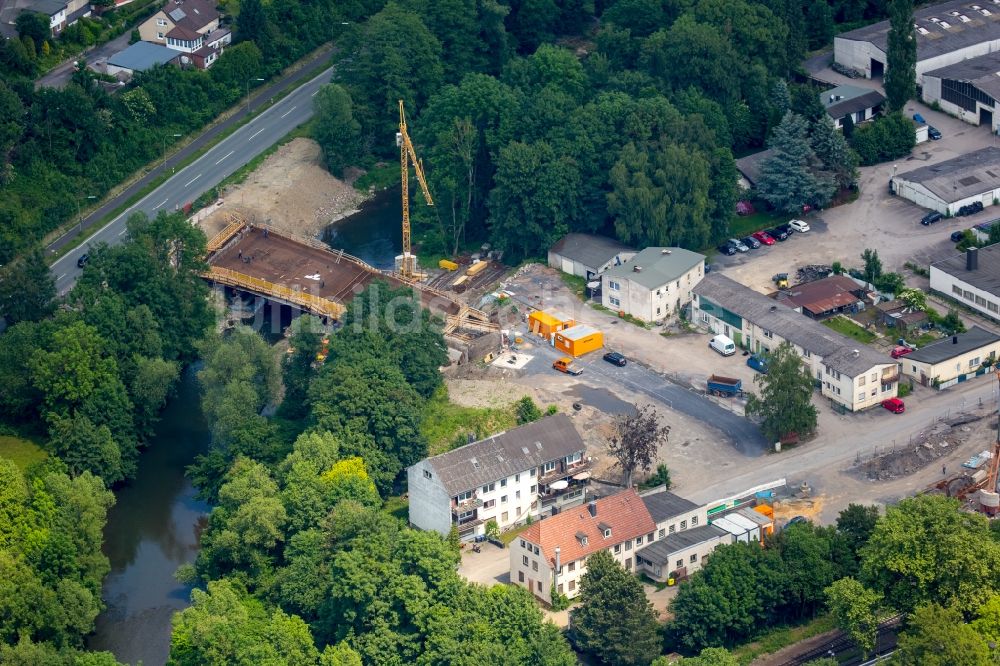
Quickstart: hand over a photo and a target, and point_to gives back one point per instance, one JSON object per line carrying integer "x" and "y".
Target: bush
{"x": 559, "y": 600}
{"x": 661, "y": 477}
{"x": 889, "y": 282}
{"x": 884, "y": 139}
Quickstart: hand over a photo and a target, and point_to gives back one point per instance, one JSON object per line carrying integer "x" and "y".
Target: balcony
{"x": 890, "y": 376}
{"x": 562, "y": 471}
{"x": 466, "y": 505}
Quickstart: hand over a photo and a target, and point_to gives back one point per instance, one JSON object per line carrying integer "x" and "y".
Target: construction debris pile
{"x": 922, "y": 449}
{"x": 812, "y": 272}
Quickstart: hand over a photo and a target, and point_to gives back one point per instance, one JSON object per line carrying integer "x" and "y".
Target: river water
{"x": 374, "y": 234}
{"x": 152, "y": 529}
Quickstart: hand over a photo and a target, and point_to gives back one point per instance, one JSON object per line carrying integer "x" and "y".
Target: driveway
{"x": 96, "y": 57}
{"x": 490, "y": 566}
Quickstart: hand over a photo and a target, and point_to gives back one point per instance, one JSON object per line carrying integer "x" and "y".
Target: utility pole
{"x": 79, "y": 216}
{"x": 163, "y": 141}
{"x": 249, "y": 81}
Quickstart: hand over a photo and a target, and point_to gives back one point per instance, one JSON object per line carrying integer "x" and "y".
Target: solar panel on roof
{"x": 177, "y": 14}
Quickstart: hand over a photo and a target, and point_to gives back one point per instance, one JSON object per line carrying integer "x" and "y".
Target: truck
{"x": 565, "y": 364}
{"x": 724, "y": 386}
{"x": 757, "y": 363}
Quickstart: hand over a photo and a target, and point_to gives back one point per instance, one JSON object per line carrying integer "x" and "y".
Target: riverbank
{"x": 291, "y": 191}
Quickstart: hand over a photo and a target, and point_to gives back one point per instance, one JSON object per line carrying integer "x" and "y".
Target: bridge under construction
{"x": 306, "y": 274}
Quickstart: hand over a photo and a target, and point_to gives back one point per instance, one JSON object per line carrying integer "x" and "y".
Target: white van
{"x": 723, "y": 345}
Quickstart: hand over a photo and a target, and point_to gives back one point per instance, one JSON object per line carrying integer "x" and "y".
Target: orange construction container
{"x": 477, "y": 268}
{"x": 546, "y": 323}
{"x": 448, "y": 265}
{"x": 579, "y": 340}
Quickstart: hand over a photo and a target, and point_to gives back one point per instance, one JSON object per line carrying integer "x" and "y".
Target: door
{"x": 878, "y": 69}
{"x": 986, "y": 117}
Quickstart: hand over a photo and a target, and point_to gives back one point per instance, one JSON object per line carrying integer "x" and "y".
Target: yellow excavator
{"x": 406, "y": 263}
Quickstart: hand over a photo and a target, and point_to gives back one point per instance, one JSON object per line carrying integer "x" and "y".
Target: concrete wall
{"x": 973, "y": 297}
{"x": 650, "y": 304}
{"x": 430, "y": 505}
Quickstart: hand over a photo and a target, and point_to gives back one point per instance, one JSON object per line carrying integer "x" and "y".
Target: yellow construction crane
{"x": 408, "y": 262}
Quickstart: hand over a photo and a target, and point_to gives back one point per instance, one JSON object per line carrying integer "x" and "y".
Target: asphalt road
{"x": 60, "y": 75}
{"x": 205, "y": 172}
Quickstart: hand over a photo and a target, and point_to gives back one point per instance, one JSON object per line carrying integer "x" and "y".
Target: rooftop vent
{"x": 963, "y": 18}
{"x": 953, "y": 13}
{"x": 922, "y": 30}
{"x": 985, "y": 12}
{"x": 538, "y": 445}
{"x": 592, "y": 508}
{"x": 475, "y": 463}
{"x": 774, "y": 308}
{"x": 944, "y": 24}
{"x": 524, "y": 449}
{"x": 664, "y": 251}
{"x": 934, "y": 19}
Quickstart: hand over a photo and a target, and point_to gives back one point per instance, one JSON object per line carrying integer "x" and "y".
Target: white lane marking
{"x": 314, "y": 94}
{"x": 225, "y": 156}
{"x": 61, "y": 277}
{"x": 159, "y": 204}
{"x": 256, "y": 133}
{"x": 289, "y": 111}
{"x": 192, "y": 180}
{"x": 122, "y": 232}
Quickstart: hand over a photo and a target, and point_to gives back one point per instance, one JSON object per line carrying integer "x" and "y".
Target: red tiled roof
{"x": 625, "y": 513}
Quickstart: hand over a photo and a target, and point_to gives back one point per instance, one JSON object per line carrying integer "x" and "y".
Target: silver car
{"x": 739, "y": 245}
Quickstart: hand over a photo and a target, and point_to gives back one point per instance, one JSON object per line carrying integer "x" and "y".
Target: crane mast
{"x": 407, "y": 261}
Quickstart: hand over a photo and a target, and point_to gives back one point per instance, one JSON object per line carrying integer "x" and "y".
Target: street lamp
{"x": 163, "y": 140}
{"x": 249, "y": 81}
{"x": 78, "y": 214}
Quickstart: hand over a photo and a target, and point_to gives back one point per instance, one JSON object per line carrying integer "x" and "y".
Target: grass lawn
{"x": 744, "y": 225}
{"x": 781, "y": 637}
{"x": 576, "y": 284}
{"x": 922, "y": 340}
{"x": 510, "y": 535}
{"x": 443, "y": 421}
{"x": 21, "y": 451}
{"x": 847, "y": 327}
{"x": 397, "y": 506}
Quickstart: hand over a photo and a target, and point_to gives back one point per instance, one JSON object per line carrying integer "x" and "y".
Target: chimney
{"x": 558, "y": 561}
{"x": 592, "y": 508}
{"x": 954, "y": 339}
{"x": 972, "y": 259}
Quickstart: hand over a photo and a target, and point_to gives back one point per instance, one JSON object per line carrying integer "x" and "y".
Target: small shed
{"x": 579, "y": 340}
{"x": 896, "y": 314}
{"x": 545, "y": 324}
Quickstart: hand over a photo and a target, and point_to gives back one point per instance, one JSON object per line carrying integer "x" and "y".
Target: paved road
{"x": 60, "y": 75}
{"x": 207, "y": 171}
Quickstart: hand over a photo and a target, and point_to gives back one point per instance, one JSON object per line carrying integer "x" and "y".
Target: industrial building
{"x": 949, "y": 185}
{"x": 954, "y": 359}
{"x": 946, "y": 33}
{"x": 654, "y": 284}
{"x": 587, "y": 255}
{"x": 968, "y": 90}
{"x": 972, "y": 279}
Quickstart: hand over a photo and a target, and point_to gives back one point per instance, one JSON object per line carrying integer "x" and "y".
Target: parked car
{"x": 740, "y": 247}
{"x": 919, "y": 118}
{"x": 615, "y": 358}
{"x": 931, "y": 218}
{"x": 565, "y": 364}
{"x": 82, "y": 261}
{"x": 799, "y": 225}
{"x": 763, "y": 237}
{"x": 781, "y": 232}
{"x": 933, "y": 133}
{"x": 899, "y": 351}
{"x": 894, "y": 405}
{"x": 750, "y": 242}
{"x": 970, "y": 209}
{"x": 957, "y": 236}
{"x": 727, "y": 249}
{"x": 723, "y": 344}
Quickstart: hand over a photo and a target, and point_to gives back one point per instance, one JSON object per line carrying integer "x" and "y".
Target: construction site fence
{"x": 311, "y": 302}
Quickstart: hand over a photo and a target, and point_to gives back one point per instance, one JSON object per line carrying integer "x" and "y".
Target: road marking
{"x": 60, "y": 277}
{"x": 289, "y": 111}
{"x": 256, "y": 133}
{"x": 225, "y": 156}
{"x": 122, "y": 232}
{"x": 192, "y": 180}
{"x": 159, "y": 204}
{"x": 314, "y": 94}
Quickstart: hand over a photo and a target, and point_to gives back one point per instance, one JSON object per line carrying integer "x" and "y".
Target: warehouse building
{"x": 654, "y": 284}
{"x": 972, "y": 279}
{"x": 946, "y": 33}
{"x": 949, "y": 185}
{"x": 587, "y": 255}
{"x": 953, "y": 360}
{"x": 968, "y": 90}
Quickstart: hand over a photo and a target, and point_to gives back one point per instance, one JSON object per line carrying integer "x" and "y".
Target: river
{"x": 374, "y": 234}
{"x": 152, "y": 529}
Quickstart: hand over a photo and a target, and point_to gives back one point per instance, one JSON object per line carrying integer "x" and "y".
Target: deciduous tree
{"x": 784, "y": 403}
{"x": 857, "y": 610}
{"x": 335, "y": 130}
{"x": 938, "y": 636}
{"x": 636, "y": 440}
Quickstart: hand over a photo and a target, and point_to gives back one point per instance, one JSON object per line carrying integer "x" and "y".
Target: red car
{"x": 763, "y": 237}
{"x": 894, "y": 405}
{"x": 899, "y": 351}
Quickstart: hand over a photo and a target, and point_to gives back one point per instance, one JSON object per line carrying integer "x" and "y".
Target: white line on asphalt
{"x": 159, "y": 204}
{"x": 192, "y": 180}
{"x": 122, "y": 232}
{"x": 225, "y": 156}
{"x": 289, "y": 111}
{"x": 256, "y": 133}
{"x": 314, "y": 94}
{"x": 61, "y": 277}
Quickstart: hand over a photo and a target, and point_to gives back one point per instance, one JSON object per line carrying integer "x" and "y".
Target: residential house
{"x": 860, "y": 104}
{"x": 654, "y": 284}
{"x": 897, "y": 314}
{"x": 531, "y": 470}
{"x": 552, "y": 553}
{"x": 587, "y": 255}
{"x": 681, "y": 554}
{"x": 825, "y": 297}
{"x": 749, "y": 168}
{"x": 947, "y": 186}
{"x": 972, "y": 280}
{"x": 191, "y": 27}
{"x": 57, "y": 11}
{"x": 850, "y": 374}
{"x": 954, "y": 359}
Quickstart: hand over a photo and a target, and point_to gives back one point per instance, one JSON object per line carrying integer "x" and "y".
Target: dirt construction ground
{"x": 291, "y": 191}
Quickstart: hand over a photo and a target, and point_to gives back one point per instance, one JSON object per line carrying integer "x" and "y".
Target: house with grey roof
{"x": 850, "y": 374}
{"x": 533, "y": 470}
{"x": 749, "y": 168}
{"x": 587, "y": 255}
{"x": 191, "y": 27}
{"x": 953, "y": 360}
{"x": 949, "y": 185}
{"x": 139, "y": 57}
{"x": 946, "y": 33}
{"x": 972, "y": 279}
{"x": 680, "y": 555}
{"x": 860, "y": 104}
{"x": 654, "y": 284}
{"x": 968, "y": 89}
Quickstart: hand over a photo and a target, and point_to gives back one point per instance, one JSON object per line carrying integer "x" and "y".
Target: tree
{"x": 27, "y": 288}
{"x": 856, "y": 609}
{"x": 252, "y": 24}
{"x": 33, "y": 25}
{"x": 937, "y": 636}
{"x": 335, "y": 130}
{"x": 854, "y": 527}
{"x": 238, "y": 65}
{"x": 86, "y": 447}
{"x": 785, "y": 400}
{"x": 951, "y": 323}
{"x": 636, "y": 440}
{"x": 901, "y": 55}
{"x": 790, "y": 177}
{"x": 833, "y": 152}
{"x": 707, "y": 657}
{"x": 527, "y": 410}
{"x": 915, "y": 299}
{"x": 615, "y": 622}
{"x": 994, "y": 234}
{"x": 873, "y": 265}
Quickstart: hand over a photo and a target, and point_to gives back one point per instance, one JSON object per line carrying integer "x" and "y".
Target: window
{"x": 992, "y": 306}
{"x": 694, "y": 558}
{"x": 955, "y": 289}
{"x": 536, "y": 550}
{"x": 428, "y": 475}
{"x": 159, "y": 35}
{"x": 503, "y": 483}
{"x": 524, "y": 560}
{"x": 861, "y": 395}
{"x": 614, "y": 301}
{"x": 768, "y": 334}
{"x": 672, "y": 529}
{"x": 861, "y": 380}
{"x": 548, "y": 467}
{"x": 658, "y": 310}
{"x": 968, "y": 295}
{"x": 874, "y": 377}
{"x": 466, "y": 515}
{"x": 571, "y": 566}
{"x": 533, "y": 489}
{"x": 503, "y": 499}
{"x": 638, "y": 540}
{"x": 874, "y": 392}
{"x": 607, "y": 533}
{"x": 517, "y": 478}
{"x": 628, "y": 564}
{"x": 694, "y": 521}
{"x": 522, "y": 543}
{"x": 560, "y": 588}
{"x": 534, "y": 565}
{"x": 532, "y": 475}
{"x": 464, "y": 496}
{"x": 489, "y": 488}
{"x": 575, "y": 458}
{"x": 618, "y": 549}
{"x": 489, "y": 504}
{"x": 680, "y": 563}
{"x": 504, "y": 517}
{"x": 161, "y": 22}
{"x": 572, "y": 585}
{"x": 518, "y": 511}
{"x": 662, "y": 533}
{"x": 806, "y": 353}
{"x": 538, "y": 584}
{"x": 517, "y": 494}
{"x": 974, "y": 363}
{"x": 628, "y": 545}
{"x": 980, "y": 301}
{"x": 614, "y": 285}
{"x": 684, "y": 524}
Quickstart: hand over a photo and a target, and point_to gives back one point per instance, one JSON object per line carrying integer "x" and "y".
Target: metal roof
{"x": 665, "y": 505}
{"x": 590, "y": 250}
{"x": 845, "y": 100}
{"x": 577, "y": 332}
{"x": 837, "y": 351}
{"x": 507, "y": 453}
{"x": 823, "y": 295}
{"x": 940, "y": 29}
{"x": 659, "y": 265}
{"x": 985, "y": 277}
{"x": 982, "y": 72}
{"x": 142, "y": 56}
{"x": 953, "y": 346}
{"x": 961, "y": 177}
{"x": 661, "y": 552}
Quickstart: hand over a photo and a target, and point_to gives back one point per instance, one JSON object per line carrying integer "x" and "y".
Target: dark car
{"x": 751, "y": 242}
{"x": 957, "y": 236}
{"x": 931, "y": 218}
{"x": 970, "y": 209}
{"x": 82, "y": 261}
{"x": 727, "y": 249}
{"x": 933, "y": 133}
{"x": 615, "y": 359}
{"x": 781, "y": 232}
